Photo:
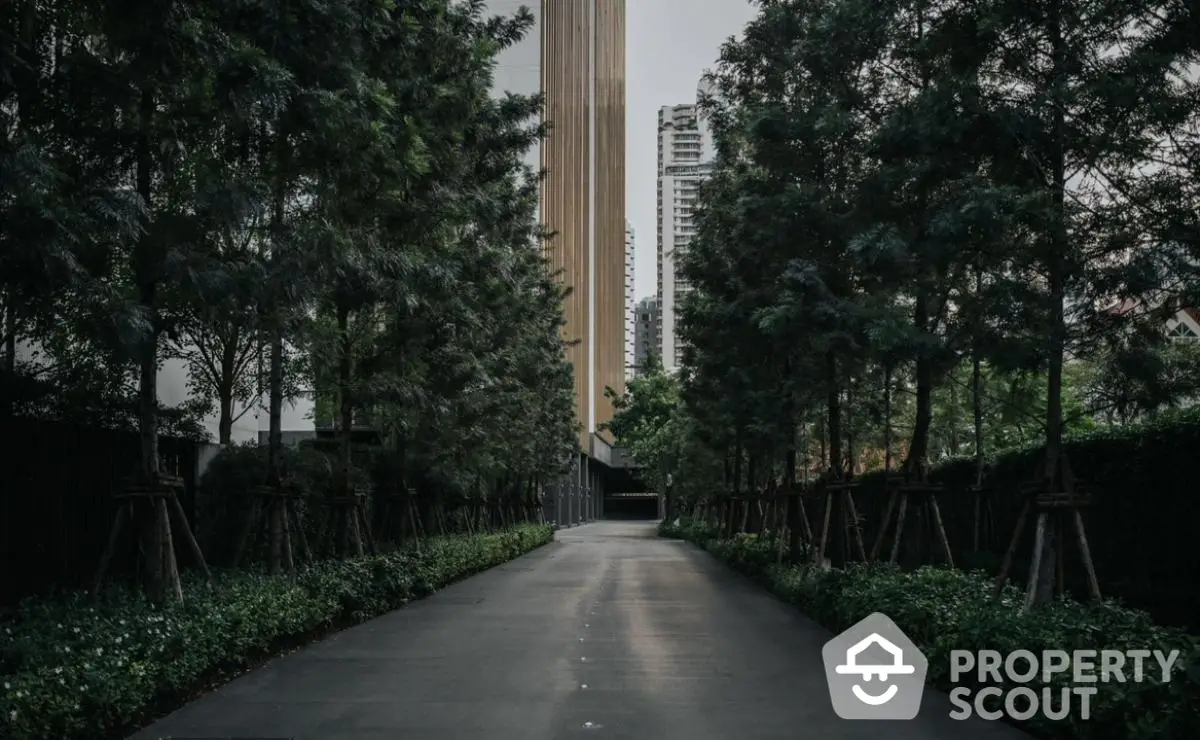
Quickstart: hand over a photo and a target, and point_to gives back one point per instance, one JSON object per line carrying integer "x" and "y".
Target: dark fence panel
{"x": 56, "y": 509}
{"x": 1141, "y": 523}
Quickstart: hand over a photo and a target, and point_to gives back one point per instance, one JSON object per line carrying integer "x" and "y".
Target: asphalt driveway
{"x": 609, "y": 632}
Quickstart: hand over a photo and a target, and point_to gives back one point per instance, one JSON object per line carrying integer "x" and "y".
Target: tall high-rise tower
{"x": 575, "y": 57}
{"x": 630, "y": 308}
{"x": 685, "y": 158}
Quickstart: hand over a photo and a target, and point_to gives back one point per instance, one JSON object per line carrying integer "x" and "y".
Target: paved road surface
{"x": 607, "y": 633}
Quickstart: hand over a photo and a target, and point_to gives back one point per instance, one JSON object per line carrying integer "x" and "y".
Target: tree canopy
{"x": 293, "y": 199}
{"x": 935, "y": 228}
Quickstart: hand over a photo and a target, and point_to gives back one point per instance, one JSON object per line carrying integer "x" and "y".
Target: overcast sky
{"x": 669, "y": 44}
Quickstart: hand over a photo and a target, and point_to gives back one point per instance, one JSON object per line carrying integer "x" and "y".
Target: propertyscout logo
{"x": 876, "y": 672}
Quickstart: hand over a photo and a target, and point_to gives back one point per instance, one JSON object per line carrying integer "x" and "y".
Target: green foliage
{"x": 936, "y": 228}
{"x": 224, "y": 493}
{"x": 354, "y": 194}
{"x": 943, "y": 610}
{"x": 78, "y": 669}
{"x": 646, "y": 421}
{"x": 319, "y": 200}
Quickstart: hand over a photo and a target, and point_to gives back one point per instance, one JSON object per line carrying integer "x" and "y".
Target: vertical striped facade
{"x": 583, "y": 198}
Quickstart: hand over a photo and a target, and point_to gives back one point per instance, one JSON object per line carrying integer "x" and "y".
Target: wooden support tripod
{"x": 901, "y": 489}
{"x": 345, "y": 529}
{"x": 840, "y": 490}
{"x": 153, "y": 503}
{"x": 795, "y": 532}
{"x": 1060, "y": 510}
{"x": 278, "y": 507}
{"x": 400, "y": 517}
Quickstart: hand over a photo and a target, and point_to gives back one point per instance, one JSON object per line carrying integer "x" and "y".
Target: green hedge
{"x": 79, "y": 668}
{"x": 943, "y": 610}
{"x": 1142, "y": 479}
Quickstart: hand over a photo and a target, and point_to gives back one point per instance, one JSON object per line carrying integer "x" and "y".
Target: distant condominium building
{"x": 646, "y": 339}
{"x": 685, "y": 158}
{"x": 630, "y": 309}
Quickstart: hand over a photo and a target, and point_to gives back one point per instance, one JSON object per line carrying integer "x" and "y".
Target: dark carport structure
{"x": 601, "y": 485}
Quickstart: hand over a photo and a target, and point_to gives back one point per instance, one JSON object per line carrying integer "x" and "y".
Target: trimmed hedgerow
{"x": 77, "y": 667}
{"x": 943, "y": 610}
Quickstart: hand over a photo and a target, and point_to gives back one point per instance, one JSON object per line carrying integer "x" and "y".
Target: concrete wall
{"x": 173, "y": 390}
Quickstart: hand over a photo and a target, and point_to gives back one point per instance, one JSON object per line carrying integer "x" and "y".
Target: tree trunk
{"x": 790, "y": 427}
{"x": 851, "y": 449}
{"x": 10, "y": 335}
{"x": 10, "y": 350}
{"x": 275, "y": 409}
{"x": 952, "y": 427}
{"x": 345, "y": 397}
{"x": 887, "y": 418}
{"x": 918, "y": 448}
{"x": 977, "y": 414}
{"x": 1046, "y": 577}
{"x": 225, "y": 421}
{"x": 737, "y": 465}
{"x": 276, "y": 323}
{"x": 225, "y": 389}
{"x": 146, "y": 272}
{"x": 823, "y": 445}
{"x": 834, "y": 413}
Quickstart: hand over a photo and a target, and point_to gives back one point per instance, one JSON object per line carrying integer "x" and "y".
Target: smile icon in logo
{"x": 898, "y": 667}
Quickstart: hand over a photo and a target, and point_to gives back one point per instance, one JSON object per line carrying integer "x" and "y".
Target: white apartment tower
{"x": 685, "y": 158}
{"x": 630, "y": 305}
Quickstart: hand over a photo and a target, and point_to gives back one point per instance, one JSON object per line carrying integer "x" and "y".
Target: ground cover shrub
{"x": 76, "y": 668}
{"x": 943, "y": 610}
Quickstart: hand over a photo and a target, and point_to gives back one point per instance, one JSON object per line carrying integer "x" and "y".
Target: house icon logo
{"x": 875, "y": 671}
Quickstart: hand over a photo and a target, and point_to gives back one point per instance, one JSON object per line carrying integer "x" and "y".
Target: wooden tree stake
{"x": 840, "y": 493}
{"x": 156, "y": 500}
{"x": 898, "y": 497}
{"x": 1063, "y": 509}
